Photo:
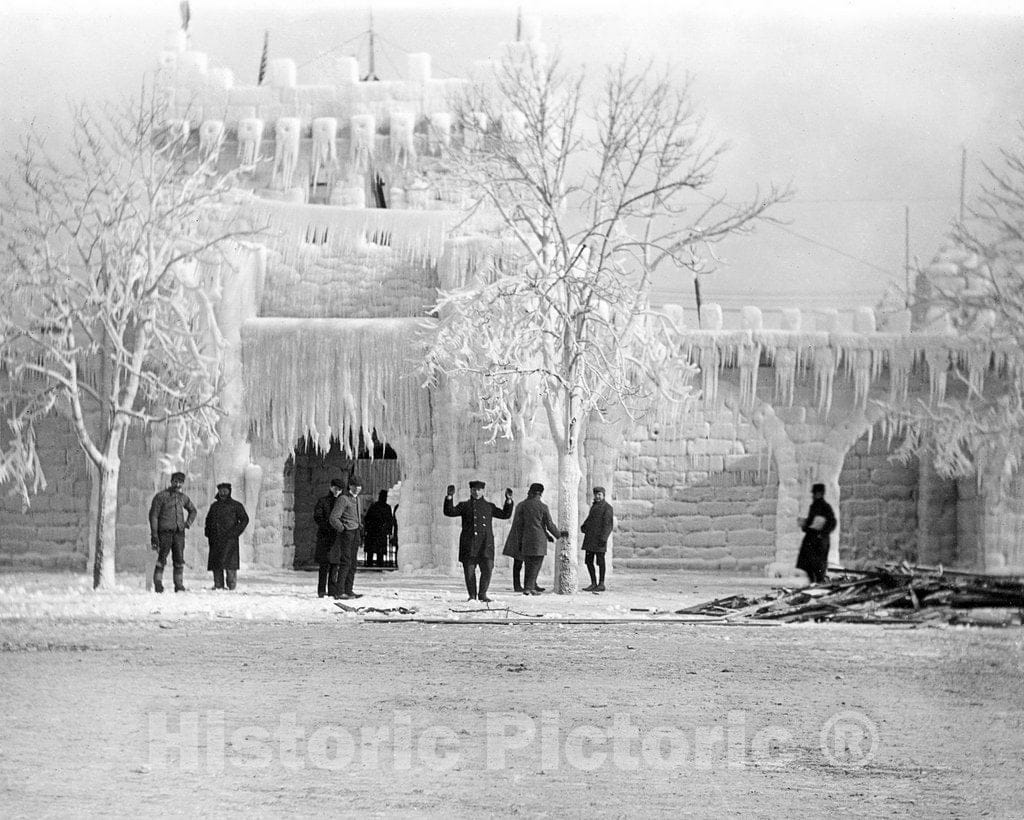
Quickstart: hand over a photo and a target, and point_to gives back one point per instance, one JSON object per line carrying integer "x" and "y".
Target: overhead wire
{"x": 333, "y": 49}
{"x": 803, "y": 237}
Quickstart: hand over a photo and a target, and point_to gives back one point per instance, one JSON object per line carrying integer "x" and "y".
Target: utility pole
{"x": 519, "y": 24}
{"x": 372, "y": 74}
{"x": 963, "y": 181}
{"x": 906, "y": 255}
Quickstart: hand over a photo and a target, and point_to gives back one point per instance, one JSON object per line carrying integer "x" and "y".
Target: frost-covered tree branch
{"x": 109, "y": 248}
{"x": 979, "y": 286}
{"x": 585, "y": 195}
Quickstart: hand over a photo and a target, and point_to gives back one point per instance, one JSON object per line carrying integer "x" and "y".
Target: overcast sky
{"x": 864, "y": 108}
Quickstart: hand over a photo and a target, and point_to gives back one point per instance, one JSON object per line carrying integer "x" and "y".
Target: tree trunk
{"x": 566, "y": 561}
{"x": 106, "y": 524}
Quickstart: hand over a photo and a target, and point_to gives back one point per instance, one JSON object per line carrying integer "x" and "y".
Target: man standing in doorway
{"x": 476, "y": 542}
{"x": 816, "y": 526}
{"x": 167, "y": 524}
{"x": 347, "y": 520}
{"x": 327, "y": 554}
{"x": 378, "y": 528}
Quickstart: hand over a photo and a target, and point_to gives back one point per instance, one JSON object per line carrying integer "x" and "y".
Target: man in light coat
{"x": 347, "y": 520}
{"x": 170, "y": 514}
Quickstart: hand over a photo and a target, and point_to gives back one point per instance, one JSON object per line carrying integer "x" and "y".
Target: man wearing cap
{"x": 528, "y": 538}
{"x": 170, "y": 514}
{"x": 326, "y": 536}
{"x": 476, "y": 542}
{"x": 225, "y": 521}
{"x": 820, "y": 521}
{"x": 347, "y": 520}
{"x": 596, "y": 530}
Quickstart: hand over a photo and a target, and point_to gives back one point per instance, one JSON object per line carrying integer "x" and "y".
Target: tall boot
{"x": 179, "y": 579}
{"x": 218, "y": 579}
{"x": 486, "y": 568}
{"x": 517, "y": 575}
{"x": 533, "y": 565}
{"x": 158, "y": 579}
{"x": 469, "y": 573}
{"x": 590, "y": 571}
{"x": 230, "y": 578}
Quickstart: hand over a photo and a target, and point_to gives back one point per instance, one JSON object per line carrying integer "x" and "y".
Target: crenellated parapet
{"x": 870, "y": 347}
{"x": 330, "y": 140}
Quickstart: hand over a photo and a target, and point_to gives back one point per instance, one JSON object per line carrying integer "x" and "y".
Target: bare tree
{"x": 108, "y": 248}
{"x": 586, "y": 196}
{"x": 979, "y": 286}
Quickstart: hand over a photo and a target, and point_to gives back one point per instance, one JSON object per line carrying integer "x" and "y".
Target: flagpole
{"x": 263, "y": 58}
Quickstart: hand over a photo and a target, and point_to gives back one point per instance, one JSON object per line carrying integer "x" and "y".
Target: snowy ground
{"x": 271, "y": 702}
{"x": 290, "y": 596}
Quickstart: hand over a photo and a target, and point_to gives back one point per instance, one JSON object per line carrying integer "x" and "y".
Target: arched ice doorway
{"x": 878, "y": 505}
{"x": 311, "y": 472}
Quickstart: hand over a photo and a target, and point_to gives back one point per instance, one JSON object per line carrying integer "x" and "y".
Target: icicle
{"x": 250, "y": 139}
{"x": 364, "y": 379}
{"x": 748, "y": 356}
{"x": 977, "y": 363}
{"x": 403, "y": 148}
{"x": 463, "y": 258}
{"x": 439, "y": 135}
{"x": 416, "y": 236}
{"x": 286, "y": 151}
{"x": 211, "y": 138}
{"x": 861, "y": 365}
{"x": 749, "y": 360}
{"x": 785, "y": 375}
{"x": 710, "y": 364}
{"x": 824, "y": 363}
{"x": 901, "y": 361}
{"x": 325, "y": 150}
{"x": 363, "y": 148}
{"x": 938, "y": 365}
{"x": 476, "y": 127}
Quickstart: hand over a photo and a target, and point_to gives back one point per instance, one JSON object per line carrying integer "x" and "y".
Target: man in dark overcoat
{"x": 326, "y": 536}
{"x": 476, "y": 542}
{"x": 379, "y": 524}
{"x": 596, "y": 530}
{"x": 226, "y": 520}
{"x": 528, "y": 538}
{"x": 820, "y": 521}
{"x": 170, "y": 514}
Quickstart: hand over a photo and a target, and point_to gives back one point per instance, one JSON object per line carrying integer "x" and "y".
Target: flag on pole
{"x": 186, "y": 14}
{"x": 263, "y": 58}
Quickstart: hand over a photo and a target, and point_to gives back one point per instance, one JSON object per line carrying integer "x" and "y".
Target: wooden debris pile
{"x": 890, "y": 594}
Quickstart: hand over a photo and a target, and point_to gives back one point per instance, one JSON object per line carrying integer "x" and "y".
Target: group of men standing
{"x": 172, "y": 512}
{"x": 340, "y": 533}
{"x": 340, "y": 529}
{"x": 528, "y": 538}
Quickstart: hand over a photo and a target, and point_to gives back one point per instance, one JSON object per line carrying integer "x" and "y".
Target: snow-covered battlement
{"x": 862, "y": 353}
{"x": 327, "y": 139}
{"x": 200, "y": 92}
